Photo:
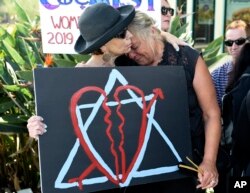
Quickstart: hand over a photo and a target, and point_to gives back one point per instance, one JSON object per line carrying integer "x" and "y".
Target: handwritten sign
{"x": 110, "y": 128}
{"x": 59, "y": 20}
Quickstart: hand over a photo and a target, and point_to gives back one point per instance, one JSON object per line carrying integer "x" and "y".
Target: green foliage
{"x": 18, "y": 154}
{"x": 180, "y": 30}
{"x": 211, "y": 53}
{"x": 20, "y": 53}
{"x": 18, "y": 163}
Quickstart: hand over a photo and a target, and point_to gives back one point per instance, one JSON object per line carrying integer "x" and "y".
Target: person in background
{"x": 236, "y": 36}
{"x": 235, "y": 104}
{"x": 166, "y": 14}
{"x": 149, "y": 49}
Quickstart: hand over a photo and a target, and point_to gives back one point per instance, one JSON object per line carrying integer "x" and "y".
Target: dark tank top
{"x": 186, "y": 57}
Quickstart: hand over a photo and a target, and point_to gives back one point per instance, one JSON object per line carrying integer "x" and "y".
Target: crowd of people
{"x": 126, "y": 37}
{"x": 232, "y": 82}
{"x": 225, "y": 78}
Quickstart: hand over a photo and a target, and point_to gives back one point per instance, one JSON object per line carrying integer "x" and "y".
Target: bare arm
{"x": 205, "y": 92}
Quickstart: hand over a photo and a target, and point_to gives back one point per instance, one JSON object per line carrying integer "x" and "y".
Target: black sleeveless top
{"x": 186, "y": 57}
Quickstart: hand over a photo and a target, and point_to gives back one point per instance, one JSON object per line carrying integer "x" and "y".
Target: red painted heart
{"x": 86, "y": 142}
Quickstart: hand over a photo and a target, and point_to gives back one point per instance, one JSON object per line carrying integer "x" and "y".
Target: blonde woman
{"x": 166, "y": 14}
{"x": 149, "y": 49}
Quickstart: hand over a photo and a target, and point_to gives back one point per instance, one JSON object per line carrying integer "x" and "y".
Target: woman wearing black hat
{"x": 103, "y": 32}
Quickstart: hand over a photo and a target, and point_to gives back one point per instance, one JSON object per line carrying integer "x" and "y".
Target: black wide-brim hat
{"x": 99, "y": 23}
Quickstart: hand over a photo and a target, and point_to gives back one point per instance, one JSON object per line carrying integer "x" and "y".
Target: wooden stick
{"x": 195, "y": 165}
{"x": 188, "y": 167}
{"x": 208, "y": 190}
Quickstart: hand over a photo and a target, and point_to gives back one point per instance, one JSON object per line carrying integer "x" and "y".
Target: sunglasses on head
{"x": 122, "y": 34}
{"x": 238, "y": 42}
{"x": 166, "y": 10}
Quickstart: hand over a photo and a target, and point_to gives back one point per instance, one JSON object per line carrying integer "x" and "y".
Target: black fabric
{"x": 233, "y": 101}
{"x": 227, "y": 126}
{"x": 235, "y": 108}
{"x": 186, "y": 57}
{"x": 248, "y": 104}
{"x": 241, "y": 134}
{"x": 125, "y": 61}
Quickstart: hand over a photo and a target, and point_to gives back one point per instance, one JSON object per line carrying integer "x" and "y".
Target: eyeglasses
{"x": 238, "y": 42}
{"x": 166, "y": 10}
{"x": 122, "y": 34}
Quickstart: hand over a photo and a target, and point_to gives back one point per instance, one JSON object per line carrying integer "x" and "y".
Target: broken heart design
{"x": 123, "y": 169}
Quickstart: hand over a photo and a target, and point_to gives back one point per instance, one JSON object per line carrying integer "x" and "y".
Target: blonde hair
{"x": 167, "y": 1}
{"x": 239, "y": 24}
{"x": 142, "y": 26}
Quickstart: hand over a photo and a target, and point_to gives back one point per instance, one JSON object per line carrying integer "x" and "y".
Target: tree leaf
{"x": 5, "y": 36}
{"x": 13, "y": 53}
{"x": 26, "y": 75}
{"x": 21, "y": 13}
{"x": 5, "y": 104}
{"x": 17, "y": 88}
{"x": 211, "y": 61}
{"x": 64, "y": 63}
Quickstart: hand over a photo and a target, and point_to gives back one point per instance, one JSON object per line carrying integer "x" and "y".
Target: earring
{"x": 106, "y": 57}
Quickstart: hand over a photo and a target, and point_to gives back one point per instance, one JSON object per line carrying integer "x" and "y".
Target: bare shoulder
{"x": 88, "y": 64}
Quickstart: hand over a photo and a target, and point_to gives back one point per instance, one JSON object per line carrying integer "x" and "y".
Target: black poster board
{"x": 111, "y": 127}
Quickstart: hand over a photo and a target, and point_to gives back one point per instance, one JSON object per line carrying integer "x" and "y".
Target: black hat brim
{"x": 127, "y": 15}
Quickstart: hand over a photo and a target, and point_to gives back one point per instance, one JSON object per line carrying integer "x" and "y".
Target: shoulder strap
{"x": 228, "y": 96}
{"x": 238, "y": 81}
{"x": 244, "y": 75}
{"x": 248, "y": 104}
{"x": 248, "y": 95}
